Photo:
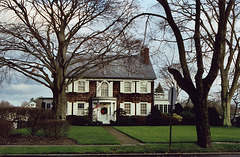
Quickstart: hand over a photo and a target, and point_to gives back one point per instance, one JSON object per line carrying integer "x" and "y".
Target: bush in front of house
{"x": 188, "y": 118}
{"x": 54, "y": 128}
{"x": 214, "y": 117}
{"x": 130, "y": 121}
{"x": 78, "y": 120}
{"x": 6, "y": 128}
{"x": 35, "y": 116}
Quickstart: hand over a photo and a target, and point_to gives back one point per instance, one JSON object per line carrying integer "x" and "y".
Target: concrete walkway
{"x": 123, "y": 138}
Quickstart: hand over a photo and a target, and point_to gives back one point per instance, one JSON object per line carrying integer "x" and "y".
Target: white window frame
{"x": 138, "y": 109}
{"x": 99, "y": 88}
{"x": 104, "y": 89}
{"x": 86, "y": 86}
{"x": 143, "y": 107}
{"x": 127, "y": 108}
{"x": 81, "y": 86}
{"x": 147, "y": 87}
{"x": 127, "y": 87}
{"x": 132, "y": 108}
{"x": 132, "y": 86}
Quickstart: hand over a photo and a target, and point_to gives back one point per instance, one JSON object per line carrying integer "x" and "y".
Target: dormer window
{"x": 104, "y": 89}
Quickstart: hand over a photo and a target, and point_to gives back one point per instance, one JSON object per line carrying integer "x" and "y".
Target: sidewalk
{"x": 123, "y": 138}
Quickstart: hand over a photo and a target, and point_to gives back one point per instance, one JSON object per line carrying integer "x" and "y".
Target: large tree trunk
{"x": 202, "y": 121}
{"x": 226, "y": 113}
{"x": 59, "y": 95}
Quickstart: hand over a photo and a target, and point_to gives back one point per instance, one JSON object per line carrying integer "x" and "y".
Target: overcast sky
{"x": 23, "y": 89}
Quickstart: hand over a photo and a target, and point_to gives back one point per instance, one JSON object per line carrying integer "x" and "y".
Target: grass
{"x": 84, "y": 135}
{"x": 184, "y": 138}
{"x": 91, "y": 135}
{"x": 157, "y": 148}
{"x": 185, "y": 134}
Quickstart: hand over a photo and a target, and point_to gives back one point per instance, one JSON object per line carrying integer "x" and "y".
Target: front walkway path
{"x": 123, "y": 138}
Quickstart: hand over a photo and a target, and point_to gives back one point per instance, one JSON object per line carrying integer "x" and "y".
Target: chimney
{"x": 145, "y": 55}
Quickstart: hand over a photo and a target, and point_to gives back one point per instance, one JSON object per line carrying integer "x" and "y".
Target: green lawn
{"x": 184, "y": 138}
{"x": 94, "y": 135}
{"x": 91, "y": 135}
{"x": 156, "y": 148}
{"x": 160, "y": 134}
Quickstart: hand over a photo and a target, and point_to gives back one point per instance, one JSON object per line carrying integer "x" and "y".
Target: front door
{"x": 104, "y": 115}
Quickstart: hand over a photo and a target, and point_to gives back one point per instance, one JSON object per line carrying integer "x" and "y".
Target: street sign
{"x": 172, "y": 97}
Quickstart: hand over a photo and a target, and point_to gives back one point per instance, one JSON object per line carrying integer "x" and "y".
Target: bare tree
{"x": 43, "y": 38}
{"x": 190, "y": 22}
{"x": 230, "y": 67}
{"x": 25, "y": 104}
{"x": 4, "y": 103}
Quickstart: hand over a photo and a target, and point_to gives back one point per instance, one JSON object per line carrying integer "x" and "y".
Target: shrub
{"x": 214, "y": 117}
{"x": 6, "y": 127}
{"x": 54, "y": 128}
{"x": 188, "y": 118}
{"x": 78, "y": 120}
{"x": 35, "y": 116}
{"x": 130, "y": 121}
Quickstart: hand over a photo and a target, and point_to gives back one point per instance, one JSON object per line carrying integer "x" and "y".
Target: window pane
{"x": 143, "y": 109}
{"x": 81, "y": 86}
{"x": 127, "y": 108}
{"x": 104, "y": 89}
{"x": 81, "y": 110}
{"x": 127, "y": 86}
{"x": 143, "y": 87}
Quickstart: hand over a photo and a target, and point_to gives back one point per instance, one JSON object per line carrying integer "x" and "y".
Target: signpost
{"x": 172, "y": 97}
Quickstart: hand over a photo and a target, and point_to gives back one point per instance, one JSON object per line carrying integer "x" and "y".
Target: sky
{"x": 23, "y": 89}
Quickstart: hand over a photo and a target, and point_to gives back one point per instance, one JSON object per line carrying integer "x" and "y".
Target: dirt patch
{"x": 35, "y": 140}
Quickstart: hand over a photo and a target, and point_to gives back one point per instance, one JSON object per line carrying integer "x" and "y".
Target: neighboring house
{"x": 33, "y": 104}
{"x": 161, "y": 102}
{"x": 125, "y": 83}
{"x": 46, "y": 102}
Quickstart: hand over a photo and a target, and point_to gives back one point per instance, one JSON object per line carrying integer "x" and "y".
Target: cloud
{"x": 17, "y": 93}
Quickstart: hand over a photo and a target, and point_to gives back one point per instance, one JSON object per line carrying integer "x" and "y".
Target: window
{"x": 165, "y": 108}
{"x": 104, "y": 89}
{"x": 143, "y": 109}
{"x": 43, "y": 104}
{"x": 127, "y": 108}
{"x": 127, "y": 86}
{"x": 81, "y": 109}
{"x": 48, "y": 105}
{"x": 81, "y": 86}
{"x": 160, "y": 107}
{"x": 143, "y": 87}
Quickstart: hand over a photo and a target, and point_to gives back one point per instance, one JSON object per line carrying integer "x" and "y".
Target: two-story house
{"x": 125, "y": 83}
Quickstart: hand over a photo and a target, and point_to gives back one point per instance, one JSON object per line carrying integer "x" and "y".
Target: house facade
{"x": 127, "y": 84}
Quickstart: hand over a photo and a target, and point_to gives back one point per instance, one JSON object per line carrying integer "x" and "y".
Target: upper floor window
{"x": 81, "y": 86}
{"x": 104, "y": 89}
{"x": 127, "y": 86}
{"x": 143, "y": 87}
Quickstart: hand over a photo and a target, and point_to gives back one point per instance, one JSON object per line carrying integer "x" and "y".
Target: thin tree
{"x": 43, "y": 38}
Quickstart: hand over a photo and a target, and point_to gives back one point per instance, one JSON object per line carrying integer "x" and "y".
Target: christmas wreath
{"x": 104, "y": 110}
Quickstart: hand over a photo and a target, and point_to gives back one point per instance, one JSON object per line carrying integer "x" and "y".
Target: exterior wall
{"x": 135, "y": 97}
